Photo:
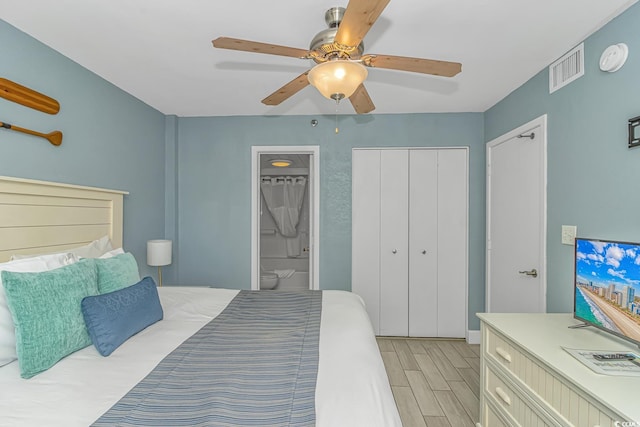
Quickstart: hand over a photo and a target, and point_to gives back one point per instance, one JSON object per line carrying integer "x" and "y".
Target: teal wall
{"x": 111, "y": 139}
{"x": 189, "y": 177}
{"x": 214, "y": 188}
{"x": 592, "y": 175}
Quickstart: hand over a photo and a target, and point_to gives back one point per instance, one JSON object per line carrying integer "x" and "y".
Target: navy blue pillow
{"x": 114, "y": 317}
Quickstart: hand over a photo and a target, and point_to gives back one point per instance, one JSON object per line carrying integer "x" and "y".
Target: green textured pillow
{"x": 46, "y": 311}
{"x": 117, "y": 272}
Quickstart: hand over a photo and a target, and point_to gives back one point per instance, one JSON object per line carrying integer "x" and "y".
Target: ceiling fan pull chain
{"x": 337, "y": 103}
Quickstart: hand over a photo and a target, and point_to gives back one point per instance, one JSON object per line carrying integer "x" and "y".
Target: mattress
{"x": 352, "y": 388}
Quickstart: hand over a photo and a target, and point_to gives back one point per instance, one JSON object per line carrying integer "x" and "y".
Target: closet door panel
{"x": 365, "y": 255}
{"x": 423, "y": 243}
{"x": 394, "y": 228}
{"x": 452, "y": 242}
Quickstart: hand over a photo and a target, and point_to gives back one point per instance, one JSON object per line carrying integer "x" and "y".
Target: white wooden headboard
{"x": 44, "y": 217}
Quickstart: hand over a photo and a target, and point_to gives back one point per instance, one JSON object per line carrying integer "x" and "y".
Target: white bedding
{"x": 352, "y": 387}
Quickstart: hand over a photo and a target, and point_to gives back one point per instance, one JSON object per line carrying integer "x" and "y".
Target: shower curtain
{"x": 284, "y": 196}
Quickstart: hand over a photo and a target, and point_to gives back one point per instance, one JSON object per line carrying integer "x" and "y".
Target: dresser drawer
{"x": 563, "y": 401}
{"x": 501, "y": 350}
{"x": 511, "y": 402}
{"x": 491, "y": 418}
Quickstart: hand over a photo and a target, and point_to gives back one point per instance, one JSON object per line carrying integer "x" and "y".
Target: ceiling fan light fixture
{"x": 337, "y": 79}
{"x": 280, "y": 163}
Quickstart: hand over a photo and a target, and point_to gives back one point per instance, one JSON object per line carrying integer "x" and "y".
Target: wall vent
{"x": 567, "y": 69}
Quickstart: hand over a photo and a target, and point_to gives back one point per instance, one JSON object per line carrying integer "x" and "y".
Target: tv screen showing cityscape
{"x": 607, "y": 286}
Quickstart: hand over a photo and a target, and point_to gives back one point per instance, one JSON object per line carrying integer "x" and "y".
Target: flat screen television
{"x": 607, "y": 286}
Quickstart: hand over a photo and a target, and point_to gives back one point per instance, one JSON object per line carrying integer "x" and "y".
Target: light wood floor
{"x": 436, "y": 383}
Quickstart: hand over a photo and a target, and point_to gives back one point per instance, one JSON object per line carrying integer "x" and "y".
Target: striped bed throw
{"x": 254, "y": 365}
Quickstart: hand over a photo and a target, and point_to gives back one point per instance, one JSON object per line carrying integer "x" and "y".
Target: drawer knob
{"x": 504, "y": 396}
{"x": 503, "y": 353}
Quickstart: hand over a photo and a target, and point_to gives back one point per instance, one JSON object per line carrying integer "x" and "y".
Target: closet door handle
{"x": 395, "y": 251}
{"x": 532, "y": 273}
{"x": 424, "y": 252}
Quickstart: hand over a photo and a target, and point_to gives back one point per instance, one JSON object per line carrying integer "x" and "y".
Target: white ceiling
{"x": 160, "y": 50}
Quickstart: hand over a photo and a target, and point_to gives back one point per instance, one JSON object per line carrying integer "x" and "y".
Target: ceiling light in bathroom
{"x": 281, "y": 163}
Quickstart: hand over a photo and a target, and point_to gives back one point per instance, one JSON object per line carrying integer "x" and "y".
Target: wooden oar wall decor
{"x": 30, "y": 98}
{"x": 55, "y": 137}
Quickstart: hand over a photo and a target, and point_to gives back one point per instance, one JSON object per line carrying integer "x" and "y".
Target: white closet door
{"x": 452, "y": 242}
{"x": 394, "y": 243}
{"x": 423, "y": 243}
{"x": 365, "y": 254}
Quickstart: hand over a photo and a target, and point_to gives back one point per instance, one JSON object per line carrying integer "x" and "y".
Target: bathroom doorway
{"x": 285, "y": 217}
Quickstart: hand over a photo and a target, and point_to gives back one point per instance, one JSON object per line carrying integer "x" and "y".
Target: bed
{"x": 350, "y": 388}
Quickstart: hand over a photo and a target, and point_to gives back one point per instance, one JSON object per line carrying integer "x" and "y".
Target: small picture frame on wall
{"x": 634, "y": 132}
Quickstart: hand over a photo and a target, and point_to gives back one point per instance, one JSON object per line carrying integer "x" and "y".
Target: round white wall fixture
{"x": 614, "y": 57}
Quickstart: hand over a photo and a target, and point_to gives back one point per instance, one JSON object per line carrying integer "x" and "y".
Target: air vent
{"x": 566, "y": 69}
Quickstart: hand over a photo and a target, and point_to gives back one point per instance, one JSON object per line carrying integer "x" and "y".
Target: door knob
{"x": 424, "y": 252}
{"x": 395, "y": 251}
{"x": 533, "y": 272}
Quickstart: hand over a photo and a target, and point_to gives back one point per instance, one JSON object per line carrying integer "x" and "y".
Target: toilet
{"x": 268, "y": 280}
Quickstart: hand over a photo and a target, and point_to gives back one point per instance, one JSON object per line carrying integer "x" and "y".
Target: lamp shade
{"x": 158, "y": 253}
{"x": 337, "y": 79}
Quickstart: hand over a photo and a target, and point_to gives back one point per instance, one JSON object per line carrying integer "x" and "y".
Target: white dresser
{"x": 528, "y": 380}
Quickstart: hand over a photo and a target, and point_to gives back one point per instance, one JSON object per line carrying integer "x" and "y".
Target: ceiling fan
{"x": 339, "y": 54}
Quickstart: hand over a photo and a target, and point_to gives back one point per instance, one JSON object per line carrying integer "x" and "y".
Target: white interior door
{"x": 409, "y": 250}
{"x": 365, "y": 254}
{"x": 516, "y": 220}
{"x": 423, "y": 243}
{"x": 452, "y": 243}
{"x": 394, "y": 243}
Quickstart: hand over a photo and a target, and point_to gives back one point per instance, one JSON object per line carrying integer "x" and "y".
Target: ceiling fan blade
{"x": 288, "y": 90}
{"x": 415, "y": 65}
{"x": 257, "y": 47}
{"x": 361, "y": 100}
{"x": 358, "y": 19}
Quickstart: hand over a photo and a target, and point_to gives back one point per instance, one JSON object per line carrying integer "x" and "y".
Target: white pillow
{"x": 29, "y": 265}
{"x": 112, "y": 253}
{"x": 95, "y": 249}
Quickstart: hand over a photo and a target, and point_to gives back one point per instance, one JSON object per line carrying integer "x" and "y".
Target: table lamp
{"x": 159, "y": 255}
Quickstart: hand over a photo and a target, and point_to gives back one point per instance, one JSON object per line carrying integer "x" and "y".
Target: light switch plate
{"x": 569, "y": 234}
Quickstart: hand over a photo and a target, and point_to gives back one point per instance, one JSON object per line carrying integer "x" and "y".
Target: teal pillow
{"x": 47, "y": 314}
{"x": 117, "y": 272}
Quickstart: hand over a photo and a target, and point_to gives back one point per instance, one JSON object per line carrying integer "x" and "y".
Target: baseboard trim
{"x": 473, "y": 337}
